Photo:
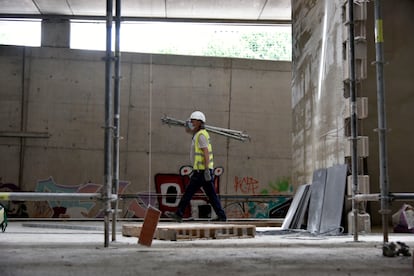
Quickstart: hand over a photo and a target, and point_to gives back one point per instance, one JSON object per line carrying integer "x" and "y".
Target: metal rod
{"x": 354, "y": 119}
{"x": 150, "y": 19}
{"x": 382, "y": 126}
{"x": 24, "y": 134}
{"x": 117, "y": 113}
{"x": 402, "y": 196}
{"x": 154, "y": 195}
{"x": 234, "y": 134}
{"x": 23, "y": 114}
{"x": 227, "y": 130}
{"x": 366, "y": 197}
{"x": 108, "y": 120}
{"x": 390, "y": 197}
{"x": 37, "y": 196}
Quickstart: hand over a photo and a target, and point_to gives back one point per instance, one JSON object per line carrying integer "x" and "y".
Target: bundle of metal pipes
{"x": 234, "y": 134}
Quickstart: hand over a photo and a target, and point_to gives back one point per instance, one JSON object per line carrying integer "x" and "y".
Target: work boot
{"x": 174, "y": 216}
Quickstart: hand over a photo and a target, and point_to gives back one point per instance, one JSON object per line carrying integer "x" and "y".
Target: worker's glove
{"x": 207, "y": 175}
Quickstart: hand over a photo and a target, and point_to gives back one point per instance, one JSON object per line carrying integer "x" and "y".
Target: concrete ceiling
{"x": 232, "y": 10}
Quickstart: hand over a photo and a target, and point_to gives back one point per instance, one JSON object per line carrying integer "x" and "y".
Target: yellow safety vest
{"x": 199, "y": 154}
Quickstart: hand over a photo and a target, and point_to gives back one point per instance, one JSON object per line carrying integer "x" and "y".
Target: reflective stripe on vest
{"x": 199, "y": 154}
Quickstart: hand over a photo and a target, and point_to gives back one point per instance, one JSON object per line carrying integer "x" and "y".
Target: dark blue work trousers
{"x": 197, "y": 181}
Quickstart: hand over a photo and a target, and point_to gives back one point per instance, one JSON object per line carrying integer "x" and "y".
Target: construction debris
{"x": 391, "y": 249}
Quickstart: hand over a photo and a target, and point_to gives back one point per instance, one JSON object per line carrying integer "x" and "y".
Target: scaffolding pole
{"x": 117, "y": 109}
{"x": 107, "y": 192}
{"x": 382, "y": 126}
{"x": 354, "y": 119}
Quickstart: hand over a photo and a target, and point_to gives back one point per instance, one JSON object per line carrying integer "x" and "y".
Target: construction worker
{"x": 201, "y": 156}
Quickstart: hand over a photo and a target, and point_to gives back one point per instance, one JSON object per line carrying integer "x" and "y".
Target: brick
{"x": 152, "y": 216}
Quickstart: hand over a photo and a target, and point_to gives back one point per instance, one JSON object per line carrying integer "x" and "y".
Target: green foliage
{"x": 255, "y": 45}
{"x": 251, "y": 42}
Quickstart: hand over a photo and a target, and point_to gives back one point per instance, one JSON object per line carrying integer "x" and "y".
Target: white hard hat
{"x": 198, "y": 115}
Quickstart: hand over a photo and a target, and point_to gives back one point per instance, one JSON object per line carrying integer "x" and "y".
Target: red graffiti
{"x": 246, "y": 185}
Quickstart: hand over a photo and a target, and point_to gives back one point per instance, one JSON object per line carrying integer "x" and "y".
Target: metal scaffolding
{"x": 354, "y": 118}
{"x": 109, "y": 195}
{"x": 385, "y": 197}
{"x": 117, "y": 112}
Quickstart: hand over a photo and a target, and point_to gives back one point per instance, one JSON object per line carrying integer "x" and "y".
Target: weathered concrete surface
{"x": 317, "y": 87}
{"x": 80, "y": 251}
{"x": 61, "y": 92}
{"x": 318, "y": 91}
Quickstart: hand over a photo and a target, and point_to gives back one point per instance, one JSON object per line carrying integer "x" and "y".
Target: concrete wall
{"x": 320, "y": 93}
{"x": 317, "y": 88}
{"x": 61, "y": 92}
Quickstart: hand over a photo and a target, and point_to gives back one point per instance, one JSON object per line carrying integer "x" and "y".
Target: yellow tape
{"x": 4, "y": 196}
{"x": 379, "y": 38}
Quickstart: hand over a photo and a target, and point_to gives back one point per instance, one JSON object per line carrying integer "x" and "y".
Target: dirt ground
{"x": 80, "y": 251}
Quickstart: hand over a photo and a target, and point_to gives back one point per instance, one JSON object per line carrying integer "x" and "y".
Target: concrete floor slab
{"x": 77, "y": 248}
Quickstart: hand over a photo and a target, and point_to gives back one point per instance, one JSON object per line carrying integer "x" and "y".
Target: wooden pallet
{"x": 186, "y": 231}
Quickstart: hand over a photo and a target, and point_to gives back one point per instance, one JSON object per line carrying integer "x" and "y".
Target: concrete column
{"x": 55, "y": 33}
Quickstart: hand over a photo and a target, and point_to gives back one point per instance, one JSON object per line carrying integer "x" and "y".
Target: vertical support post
{"x": 354, "y": 118}
{"x": 382, "y": 126}
{"x": 108, "y": 122}
{"x": 23, "y": 117}
{"x": 117, "y": 109}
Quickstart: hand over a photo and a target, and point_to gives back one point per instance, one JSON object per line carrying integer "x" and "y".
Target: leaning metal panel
{"x": 316, "y": 200}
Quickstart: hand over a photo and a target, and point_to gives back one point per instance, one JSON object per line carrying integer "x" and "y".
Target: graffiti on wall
{"x": 134, "y": 208}
{"x": 248, "y": 185}
{"x": 69, "y": 208}
{"x": 15, "y": 209}
{"x": 169, "y": 188}
{"x": 251, "y": 205}
{"x": 272, "y": 204}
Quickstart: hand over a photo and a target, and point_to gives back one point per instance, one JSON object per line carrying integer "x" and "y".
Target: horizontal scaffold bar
{"x": 29, "y": 196}
{"x": 392, "y": 196}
